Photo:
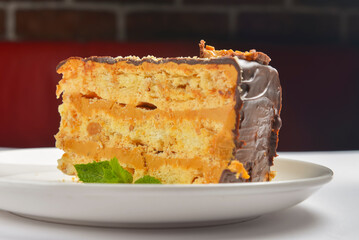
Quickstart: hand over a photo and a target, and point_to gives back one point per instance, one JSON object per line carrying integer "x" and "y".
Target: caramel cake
{"x": 212, "y": 119}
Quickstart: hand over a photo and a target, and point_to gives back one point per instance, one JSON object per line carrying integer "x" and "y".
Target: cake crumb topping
{"x": 207, "y": 51}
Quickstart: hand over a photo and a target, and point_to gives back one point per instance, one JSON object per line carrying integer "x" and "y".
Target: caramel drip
{"x": 239, "y": 169}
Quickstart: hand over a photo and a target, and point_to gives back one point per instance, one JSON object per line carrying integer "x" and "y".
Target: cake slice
{"x": 180, "y": 120}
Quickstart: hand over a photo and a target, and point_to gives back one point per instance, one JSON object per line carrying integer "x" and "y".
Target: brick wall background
{"x": 312, "y": 43}
{"x": 270, "y": 21}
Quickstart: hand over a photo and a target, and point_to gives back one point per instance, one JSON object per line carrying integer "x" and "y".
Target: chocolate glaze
{"x": 138, "y": 61}
{"x": 259, "y": 122}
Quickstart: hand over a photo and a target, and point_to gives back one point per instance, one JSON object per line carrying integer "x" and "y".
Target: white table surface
{"x": 331, "y": 213}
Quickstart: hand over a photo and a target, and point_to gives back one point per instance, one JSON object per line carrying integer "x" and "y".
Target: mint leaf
{"x": 123, "y": 175}
{"x": 96, "y": 172}
{"x": 109, "y": 172}
{"x": 147, "y": 179}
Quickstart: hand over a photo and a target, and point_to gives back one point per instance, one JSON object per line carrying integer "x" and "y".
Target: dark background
{"x": 313, "y": 44}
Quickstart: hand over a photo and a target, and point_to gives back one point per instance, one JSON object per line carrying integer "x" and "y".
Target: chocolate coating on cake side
{"x": 259, "y": 122}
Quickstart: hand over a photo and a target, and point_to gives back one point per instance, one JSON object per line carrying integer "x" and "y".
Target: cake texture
{"x": 181, "y": 120}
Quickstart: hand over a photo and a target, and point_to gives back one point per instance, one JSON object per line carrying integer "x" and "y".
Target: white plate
{"x": 30, "y": 185}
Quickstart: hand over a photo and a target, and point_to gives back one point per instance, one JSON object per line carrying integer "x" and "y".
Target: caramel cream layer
{"x": 176, "y": 134}
{"x": 134, "y": 160}
{"x": 167, "y": 85}
{"x": 87, "y": 106}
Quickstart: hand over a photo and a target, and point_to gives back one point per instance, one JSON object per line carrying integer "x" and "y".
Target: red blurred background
{"x": 313, "y": 45}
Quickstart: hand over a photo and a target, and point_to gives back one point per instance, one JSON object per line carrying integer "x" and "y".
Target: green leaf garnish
{"x": 124, "y": 175}
{"x": 148, "y": 179}
{"x": 103, "y": 172}
{"x": 109, "y": 172}
{"x": 96, "y": 172}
